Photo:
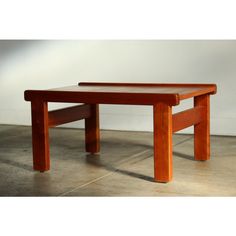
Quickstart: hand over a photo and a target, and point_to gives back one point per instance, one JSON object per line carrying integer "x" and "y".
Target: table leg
{"x": 92, "y": 134}
{"x": 162, "y": 117}
{"x": 39, "y": 114}
{"x": 202, "y": 130}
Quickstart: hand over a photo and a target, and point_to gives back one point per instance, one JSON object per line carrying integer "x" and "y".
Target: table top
{"x": 122, "y": 93}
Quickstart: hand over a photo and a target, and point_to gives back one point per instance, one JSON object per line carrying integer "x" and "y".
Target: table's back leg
{"x": 162, "y": 118}
{"x": 40, "y": 140}
{"x": 202, "y": 130}
{"x": 92, "y": 133}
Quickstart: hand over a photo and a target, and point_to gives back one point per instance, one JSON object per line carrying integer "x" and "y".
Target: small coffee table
{"x": 161, "y": 96}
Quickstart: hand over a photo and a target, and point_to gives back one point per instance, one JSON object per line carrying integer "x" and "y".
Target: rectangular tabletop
{"x": 122, "y": 93}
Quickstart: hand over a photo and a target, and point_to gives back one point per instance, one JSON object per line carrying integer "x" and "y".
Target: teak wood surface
{"x": 161, "y": 96}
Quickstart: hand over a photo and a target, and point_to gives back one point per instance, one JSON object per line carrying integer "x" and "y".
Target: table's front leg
{"x": 162, "y": 118}
{"x": 92, "y": 132}
{"x": 39, "y": 116}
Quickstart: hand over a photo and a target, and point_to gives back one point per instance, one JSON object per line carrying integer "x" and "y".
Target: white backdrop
{"x": 47, "y": 64}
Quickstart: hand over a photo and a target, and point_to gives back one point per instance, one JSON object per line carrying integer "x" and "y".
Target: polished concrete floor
{"x": 124, "y": 167}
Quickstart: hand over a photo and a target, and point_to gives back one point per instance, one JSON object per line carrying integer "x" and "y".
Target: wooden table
{"x": 161, "y": 96}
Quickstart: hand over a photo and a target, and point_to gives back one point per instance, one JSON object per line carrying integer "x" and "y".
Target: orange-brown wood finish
{"x": 92, "y": 133}
{"x": 122, "y": 93}
{"x": 161, "y": 96}
{"x": 187, "y": 118}
{"x": 40, "y": 138}
{"x": 202, "y": 129}
{"x": 162, "y": 117}
{"x": 69, "y": 114}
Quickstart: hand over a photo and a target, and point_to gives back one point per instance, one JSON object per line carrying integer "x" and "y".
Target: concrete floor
{"x": 124, "y": 167}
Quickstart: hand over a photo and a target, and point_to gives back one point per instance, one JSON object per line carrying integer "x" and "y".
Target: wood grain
{"x": 89, "y": 97}
{"x": 40, "y": 137}
{"x": 122, "y": 93}
{"x": 184, "y": 119}
{"x": 162, "y": 117}
{"x": 202, "y": 130}
{"x": 69, "y": 114}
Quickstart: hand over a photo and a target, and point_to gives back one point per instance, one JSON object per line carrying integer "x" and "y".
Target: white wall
{"x": 47, "y": 64}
